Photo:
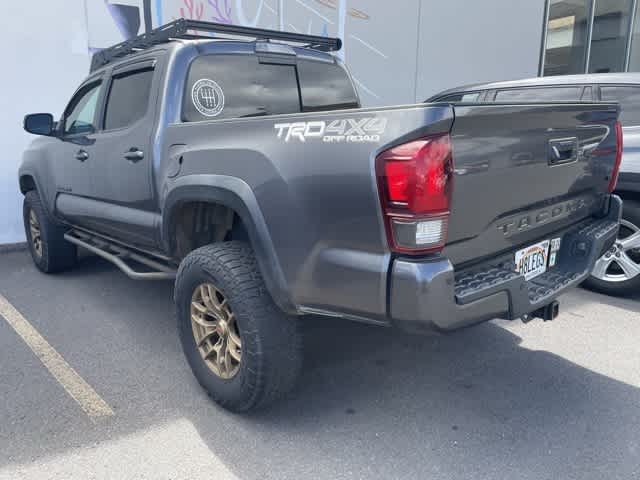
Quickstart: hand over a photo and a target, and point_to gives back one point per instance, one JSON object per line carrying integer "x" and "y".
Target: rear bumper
{"x": 430, "y": 295}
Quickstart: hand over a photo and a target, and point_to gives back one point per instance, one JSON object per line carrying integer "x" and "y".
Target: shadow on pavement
{"x": 371, "y": 403}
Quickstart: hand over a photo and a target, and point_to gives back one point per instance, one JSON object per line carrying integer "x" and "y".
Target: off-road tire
{"x": 56, "y": 254}
{"x": 271, "y": 343}
{"x": 630, "y": 213}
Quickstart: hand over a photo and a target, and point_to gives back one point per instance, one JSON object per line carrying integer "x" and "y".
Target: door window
{"x": 629, "y": 99}
{"x": 80, "y": 114}
{"x": 547, "y": 94}
{"x": 128, "y": 98}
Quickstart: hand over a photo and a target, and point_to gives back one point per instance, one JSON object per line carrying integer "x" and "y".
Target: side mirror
{"x": 39, "y": 124}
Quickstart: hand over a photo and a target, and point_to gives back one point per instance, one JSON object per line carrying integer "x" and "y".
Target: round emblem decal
{"x": 207, "y": 97}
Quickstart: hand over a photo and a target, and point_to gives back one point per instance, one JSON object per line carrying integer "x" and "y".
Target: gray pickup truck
{"x": 246, "y": 170}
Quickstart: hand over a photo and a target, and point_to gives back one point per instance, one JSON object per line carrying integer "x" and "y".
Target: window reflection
{"x": 609, "y": 38}
{"x": 567, "y": 32}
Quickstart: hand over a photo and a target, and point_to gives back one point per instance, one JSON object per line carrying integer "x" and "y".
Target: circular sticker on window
{"x": 207, "y": 97}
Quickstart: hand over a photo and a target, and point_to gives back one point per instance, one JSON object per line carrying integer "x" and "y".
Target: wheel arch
{"x": 27, "y": 183}
{"x": 236, "y": 195}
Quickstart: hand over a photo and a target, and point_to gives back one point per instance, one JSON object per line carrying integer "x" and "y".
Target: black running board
{"x": 120, "y": 255}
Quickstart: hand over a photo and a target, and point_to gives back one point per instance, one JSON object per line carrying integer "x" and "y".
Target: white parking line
{"x": 93, "y": 405}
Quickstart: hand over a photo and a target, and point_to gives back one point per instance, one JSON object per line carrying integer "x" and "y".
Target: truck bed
{"x": 319, "y": 200}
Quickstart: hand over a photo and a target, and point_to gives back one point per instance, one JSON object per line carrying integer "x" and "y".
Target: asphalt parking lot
{"x": 502, "y": 400}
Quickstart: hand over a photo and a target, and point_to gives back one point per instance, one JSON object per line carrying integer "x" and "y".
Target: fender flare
{"x": 236, "y": 194}
{"x": 44, "y": 194}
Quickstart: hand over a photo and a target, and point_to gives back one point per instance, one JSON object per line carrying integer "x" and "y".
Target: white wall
{"x": 399, "y": 52}
{"x": 44, "y": 57}
{"x": 463, "y": 41}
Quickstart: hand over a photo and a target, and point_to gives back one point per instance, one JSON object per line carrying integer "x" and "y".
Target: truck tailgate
{"x": 524, "y": 171}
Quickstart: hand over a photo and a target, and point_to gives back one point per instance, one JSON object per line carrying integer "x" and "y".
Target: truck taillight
{"x": 613, "y": 181}
{"x": 415, "y": 181}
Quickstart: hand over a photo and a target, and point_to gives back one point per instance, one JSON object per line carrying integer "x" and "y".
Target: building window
{"x": 634, "y": 54}
{"x": 566, "y": 37}
{"x": 591, "y": 36}
{"x": 609, "y": 37}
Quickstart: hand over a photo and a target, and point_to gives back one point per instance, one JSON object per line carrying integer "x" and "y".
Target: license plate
{"x": 532, "y": 261}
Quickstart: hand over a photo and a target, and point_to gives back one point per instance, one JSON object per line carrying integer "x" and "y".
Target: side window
{"x": 325, "y": 86}
{"x": 587, "y": 94}
{"x": 80, "y": 114}
{"x": 461, "y": 97}
{"x": 128, "y": 98}
{"x": 629, "y": 99}
{"x": 540, "y": 94}
{"x": 236, "y": 86}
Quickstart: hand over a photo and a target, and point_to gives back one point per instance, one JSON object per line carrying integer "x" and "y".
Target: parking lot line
{"x": 92, "y": 404}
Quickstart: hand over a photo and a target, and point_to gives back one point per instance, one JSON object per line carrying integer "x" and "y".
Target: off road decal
{"x": 207, "y": 97}
{"x": 348, "y": 130}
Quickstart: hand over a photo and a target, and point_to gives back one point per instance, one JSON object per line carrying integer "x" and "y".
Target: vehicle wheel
{"x": 50, "y": 251}
{"x": 617, "y": 272}
{"x": 243, "y": 350}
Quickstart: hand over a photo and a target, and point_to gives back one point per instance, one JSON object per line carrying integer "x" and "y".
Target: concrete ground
{"x": 501, "y": 400}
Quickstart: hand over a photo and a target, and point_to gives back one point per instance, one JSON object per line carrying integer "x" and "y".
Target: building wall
{"x": 398, "y": 52}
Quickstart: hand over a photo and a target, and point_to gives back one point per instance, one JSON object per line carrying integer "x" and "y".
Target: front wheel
{"x": 45, "y": 237}
{"x": 242, "y": 349}
{"x": 617, "y": 272}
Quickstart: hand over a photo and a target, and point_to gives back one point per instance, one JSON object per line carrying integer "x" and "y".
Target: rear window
{"x": 546, "y": 94}
{"x": 629, "y": 99}
{"x": 325, "y": 86}
{"x": 238, "y": 86}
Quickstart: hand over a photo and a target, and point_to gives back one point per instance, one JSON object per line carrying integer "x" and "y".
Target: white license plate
{"x": 532, "y": 261}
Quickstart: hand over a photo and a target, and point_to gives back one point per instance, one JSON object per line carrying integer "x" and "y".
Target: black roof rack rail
{"x": 180, "y": 29}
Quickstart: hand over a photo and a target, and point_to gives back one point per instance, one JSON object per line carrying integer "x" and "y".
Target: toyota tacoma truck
{"x": 245, "y": 168}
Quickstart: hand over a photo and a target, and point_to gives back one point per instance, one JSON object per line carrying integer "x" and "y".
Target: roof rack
{"x": 181, "y": 28}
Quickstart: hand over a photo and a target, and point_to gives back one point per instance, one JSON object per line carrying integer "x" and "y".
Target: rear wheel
{"x": 617, "y": 272}
{"x": 45, "y": 237}
{"x": 242, "y": 349}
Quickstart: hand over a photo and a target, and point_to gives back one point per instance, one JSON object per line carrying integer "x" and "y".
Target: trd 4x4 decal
{"x": 347, "y": 130}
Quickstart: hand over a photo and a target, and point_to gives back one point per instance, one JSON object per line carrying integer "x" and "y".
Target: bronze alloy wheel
{"x": 34, "y": 228}
{"x": 215, "y": 331}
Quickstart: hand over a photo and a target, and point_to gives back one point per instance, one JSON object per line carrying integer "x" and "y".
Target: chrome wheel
{"x": 622, "y": 261}
{"x": 34, "y": 229}
{"x": 215, "y": 331}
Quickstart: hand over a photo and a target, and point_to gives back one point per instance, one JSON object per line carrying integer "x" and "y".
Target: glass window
{"x": 236, "y": 86}
{"x": 587, "y": 95}
{"x": 567, "y": 32}
{"x": 546, "y": 94}
{"x": 634, "y": 57}
{"x": 629, "y": 99}
{"x": 460, "y": 97}
{"x": 325, "y": 87}
{"x": 80, "y": 114}
{"x": 609, "y": 38}
{"x": 128, "y": 98}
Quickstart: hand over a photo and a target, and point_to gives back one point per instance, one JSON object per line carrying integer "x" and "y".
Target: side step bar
{"x": 119, "y": 255}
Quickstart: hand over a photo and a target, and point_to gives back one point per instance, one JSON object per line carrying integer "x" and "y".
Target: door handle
{"x": 563, "y": 150}
{"x": 134, "y": 155}
{"x": 81, "y": 155}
